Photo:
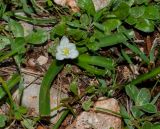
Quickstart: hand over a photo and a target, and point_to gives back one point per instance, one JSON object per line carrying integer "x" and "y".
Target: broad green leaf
{"x": 151, "y": 13}
{"x": 44, "y": 95}
{"x": 19, "y": 45}
{"x": 86, "y": 105}
{"x": 145, "y": 25}
{"x": 143, "y": 97}
{"x": 129, "y": 2}
{"x": 85, "y": 20}
{"x": 150, "y": 108}
{"x": 156, "y": 126}
{"x": 4, "y": 41}
{"x": 74, "y": 87}
{"x": 137, "y": 11}
{"x": 124, "y": 113}
{"x": 122, "y": 11}
{"x": 141, "y": 1}
{"x": 38, "y": 37}
{"x": 87, "y": 5}
{"x": 3, "y": 119}
{"x": 77, "y": 34}
{"x": 28, "y": 123}
{"x": 132, "y": 91}
{"x": 147, "y": 125}
{"x": 111, "y": 24}
{"x": 136, "y": 112}
{"x": 131, "y": 20}
{"x": 59, "y": 30}
{"x": 16, "y": 28}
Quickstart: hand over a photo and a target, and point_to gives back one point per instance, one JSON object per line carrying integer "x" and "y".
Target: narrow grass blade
{"x": 146, "y": 76}
{"x": 11, "y": 83}
{"x": 126, "y": 57}
{"x": 97, "y": 61}
{"x": 111, "y": 40}
{"x": 136, "y": 50}
{"x": 59, "y": 122}
{"x": 44, "y": 96}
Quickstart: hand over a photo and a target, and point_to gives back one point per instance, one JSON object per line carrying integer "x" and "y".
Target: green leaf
{"x": 156, "y": 126}
{"x": 2, "y": 9}
{"x": 151, "y": 13}
{"x": 16, "y": 28}
{"x": 4, "y": 41}
{"x": 44, "y": 95}
{"x": 38, "y": 37}
{"x": 136, "y": 50}
{"x": 86, "y": 105}
{"x": 137, "y": 11}
{"x": 155, "y": 98}
{"x": 90, "y": 89}
{"x": 137, "y": 113}
{"x": 77, "y": 34}
{"x": 97, "y": 61}
{"x": 87, "y": 5}
{"x": 150, "y": 108}
{"x": 111, "y": 40}
{"x": 59, "y": 30}
{"x": 111, "y": 24}
{"x": 28, "y": 123}
{"x": 146, "y": 76}
{"x": 122, "y": 11}
{"x": 19, "y": 45}
{"x": 131, "y": 20}
{"x": 11, "y": 83}
{"x": 143, "y": 97}
{"x": 141, "y": 1}
{"x": 74, "y": 87}
{"x": 145, "y": 25}
{"x": 132, "y": 91}
{"x": 124, "y": 113}
{"x": 85, "y": 20}
{"x": 147, "y": 125}
{"x": 3, "y": 119}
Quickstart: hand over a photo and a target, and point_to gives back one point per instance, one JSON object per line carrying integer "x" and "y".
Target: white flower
{"x": 66, "y": 50}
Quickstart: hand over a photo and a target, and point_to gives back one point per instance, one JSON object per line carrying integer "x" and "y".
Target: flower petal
{"x": 74, "y": 54}
{"x": 64, "y": 41}
{"x": 59, "y": 56}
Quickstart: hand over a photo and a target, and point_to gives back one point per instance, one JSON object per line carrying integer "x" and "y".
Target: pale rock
{"x": 30, "y": 97}
{"x": 41, "y": 60}
{"x": 100, "y": 4}
{"x": 28, "y": 28}
{"x": 97, "y": 120}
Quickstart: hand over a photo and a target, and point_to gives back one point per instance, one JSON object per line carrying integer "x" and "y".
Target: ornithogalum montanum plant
{"x": 66, "y": 50}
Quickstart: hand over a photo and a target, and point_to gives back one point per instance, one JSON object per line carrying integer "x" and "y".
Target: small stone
{"x": 42, "y": 60}
{"x": 100, "y": 4}
{"x": 28, "y": 28}
{"x": 99, "y": 120}
{"x": 31, "y": 62}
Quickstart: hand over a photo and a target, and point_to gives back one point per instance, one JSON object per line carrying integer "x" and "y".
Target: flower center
{"x": 66, "y": 51}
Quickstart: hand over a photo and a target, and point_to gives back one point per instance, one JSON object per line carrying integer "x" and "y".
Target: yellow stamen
{"x": 66, "y": 51}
